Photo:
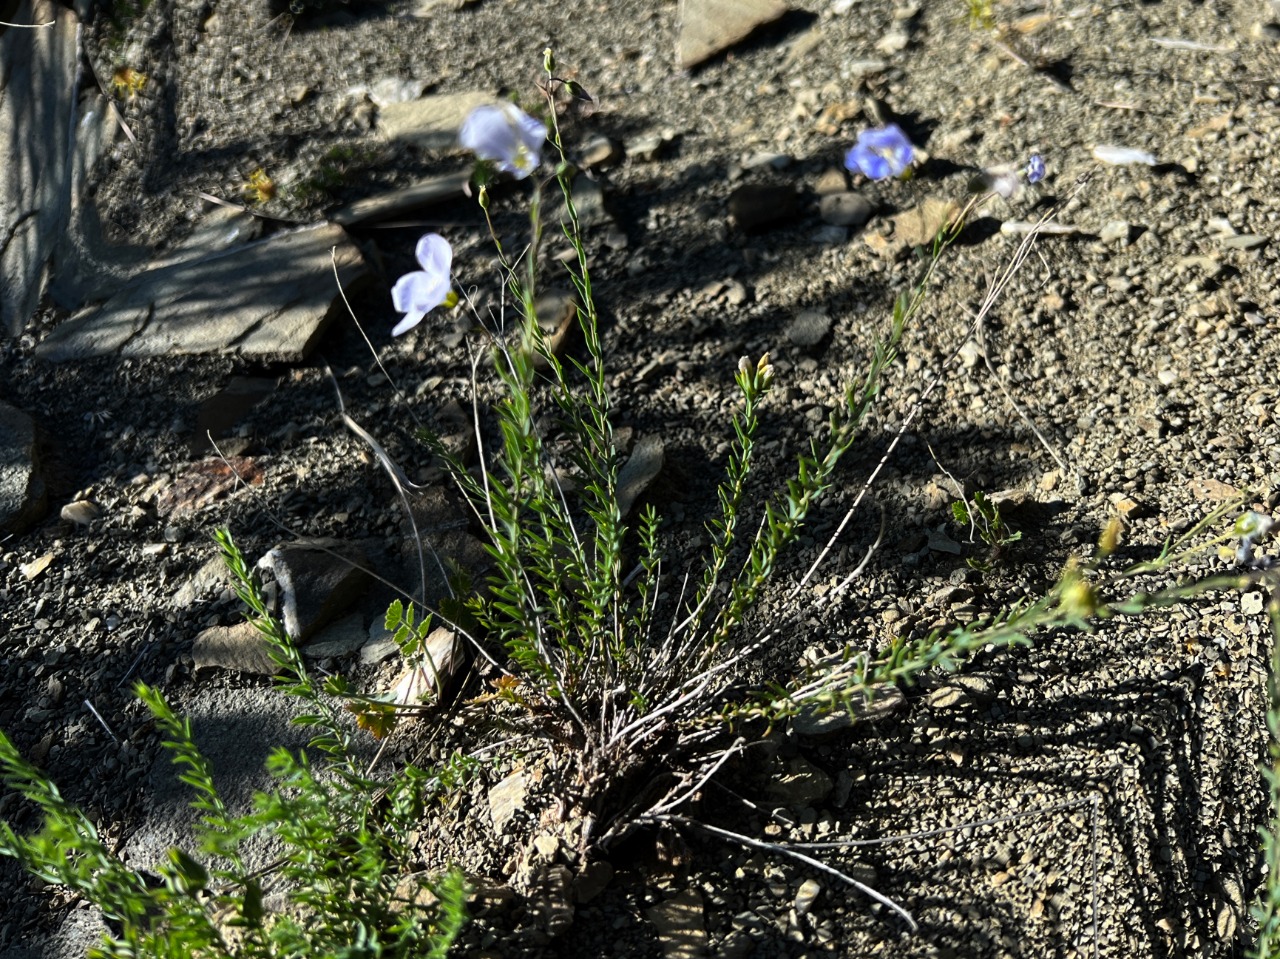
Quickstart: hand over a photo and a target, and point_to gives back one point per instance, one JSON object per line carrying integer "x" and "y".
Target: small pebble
{"x": 1243, "y": 241}
{"x": 81, "y": 512}
{"x": 809, "y": 328}
{"x": 845, "y": 209}
{"x": 805, "y": 896}
{"x": 1116, "y": 231}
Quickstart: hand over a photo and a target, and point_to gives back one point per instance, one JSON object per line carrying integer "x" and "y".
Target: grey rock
{"x": 895, "y": 41}
{"x": 601, "y": 153}
{"x": 430, "y": 8}
{"x": 219, "y": 229}
{"x": 394, "y": 203}
{"x": 213, "y": 575}
{"x": 1267, "y": 31}
{"x": 833, "y": 180}
{"x": 338, "y": 639}
{"x": 809, "y": 328}
{"x": 241, "y": 648}
{"x": 648, "y": 148}
{"x": 774, "y": 161}
{"x": 432, "y": 122}
{"x": 807, "y": 895}
{"x": 588, "y": 200}
{"x": 550, "y": 900}
{"x": 319, "y": 579}
{"x": 82, "y": 512}
{"x": 829, "y": 235}
{"x": 1244, "y": 241}
{"x": 91, "y": 267}
{"x": 1116, "y": 231}
{"x": 388, "y": 90}
{"x": 708, "y": 27}
{"x": 378, "y": 650}
{"x": 37, "y": 104}
{"x": 557, "y": 313}
{"x": 506, "y": 798}
{"x": 940, "y": 542}
{"x": 679, "y": 923}
{"x": 23, "y": 494}
{"x": 639, "y": 472}
{"x": 801, "y": 783}
{"x": 592, "y": 879}
{"x": 272, "y": 299}
{"x": 845, "y": 209}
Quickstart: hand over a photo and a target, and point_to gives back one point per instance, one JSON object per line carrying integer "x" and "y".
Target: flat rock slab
{"x": 37, "y": 100}
{"x": 441, "y": 189}
{"x": 23, "y": 494}
{"x": 432, "y": 122}
{"x": 272, "y": 299}
{"x": 708, "y": 27}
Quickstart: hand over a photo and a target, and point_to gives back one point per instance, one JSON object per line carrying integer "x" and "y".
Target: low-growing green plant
{"x": 982, "y": 14}
{"x": 343, "y": 885}
{"x": 982, "y": 516}
{"x": 333, "y": 171}
{"x": 630, "y": 695}
{"x": 639, "y": 691}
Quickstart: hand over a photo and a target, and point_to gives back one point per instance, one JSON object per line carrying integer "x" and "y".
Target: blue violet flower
{"x": 1035, "y": 168}
{"x": 880, "y": 153}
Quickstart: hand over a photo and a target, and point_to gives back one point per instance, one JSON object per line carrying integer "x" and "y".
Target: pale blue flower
{"x": 417, "y": 294}
{"x": 880, "y": 153}
{"x": 1035, "y": 168}
{"x": 506, "y": 135}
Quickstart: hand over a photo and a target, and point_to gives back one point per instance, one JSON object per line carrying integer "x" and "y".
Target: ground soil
{"x": 1130, "y": 365}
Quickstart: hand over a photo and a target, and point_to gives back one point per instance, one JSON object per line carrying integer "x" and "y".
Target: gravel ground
{"x": 1112, "y": 771}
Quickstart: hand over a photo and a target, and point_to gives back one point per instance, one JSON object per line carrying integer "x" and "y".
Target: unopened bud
{"x": 764, "y": 371}
{"x": 1110, "y": 537}
{"x": 1079, "y": 599}
{"x": 548, "y": 61}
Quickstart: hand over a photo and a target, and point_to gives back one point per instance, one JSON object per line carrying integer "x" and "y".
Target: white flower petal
{"x": 1119, "y": 156}
{"x": 505, "y": 135}
{"x": 435, "y": 255}
{"x": 411, "y": 319}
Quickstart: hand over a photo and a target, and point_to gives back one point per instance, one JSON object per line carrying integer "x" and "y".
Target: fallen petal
{"x": 1119, "y": 156}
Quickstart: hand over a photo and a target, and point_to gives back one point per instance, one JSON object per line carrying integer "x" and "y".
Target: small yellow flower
{"x": 127, "y": 82}
{"x": 258, "y": 187}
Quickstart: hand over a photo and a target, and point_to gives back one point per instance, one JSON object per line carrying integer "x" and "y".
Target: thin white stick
{"x": 98, "y": 716}
{"x": 791, "y": 854}
{"x": 734, "y": 747}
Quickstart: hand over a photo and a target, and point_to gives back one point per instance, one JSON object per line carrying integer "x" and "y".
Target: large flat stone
{"x": 272, "y": 299}
{"x": 441, "y": 189}
{"x": 23, "y": 495}
{"x": 708, "y": 27}
{"x": 431, "y": 122}
{"x": 37, "y": 102}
